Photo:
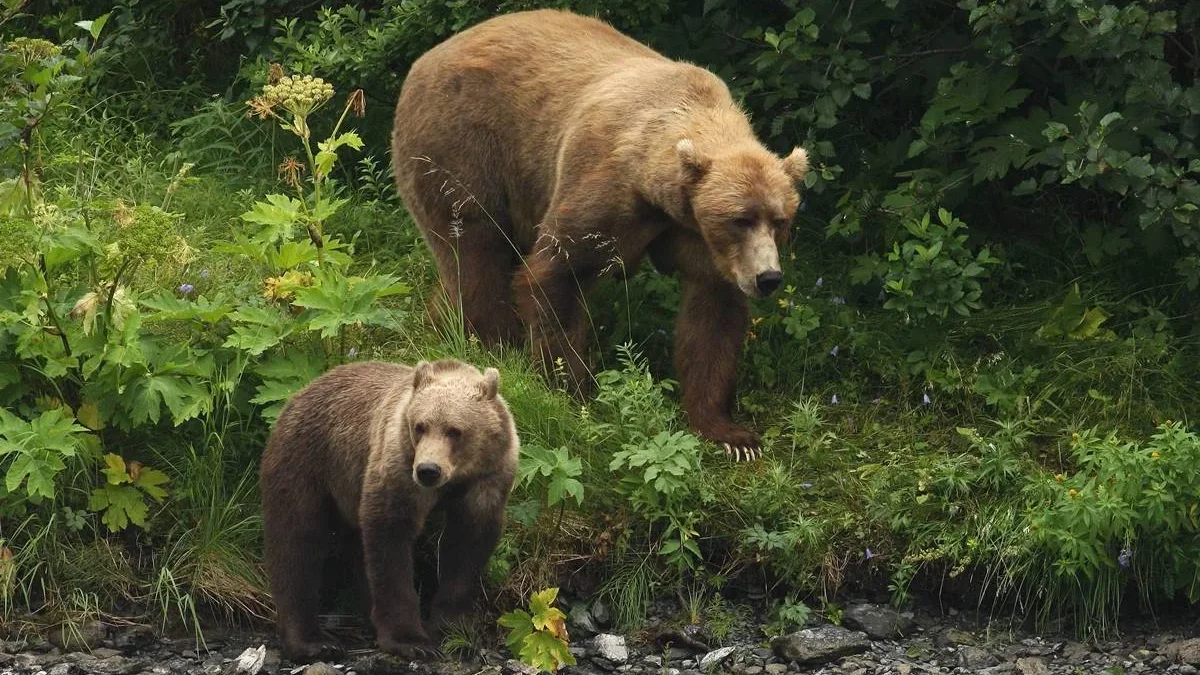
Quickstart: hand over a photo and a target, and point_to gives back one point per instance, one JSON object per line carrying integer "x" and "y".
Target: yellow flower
{"x": 1072, "y": 493}
{"x": 1059, "y": 477}
{"x": 1155, "y": 455}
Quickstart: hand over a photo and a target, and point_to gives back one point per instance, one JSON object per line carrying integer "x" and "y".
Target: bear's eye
{"x": 743, "y": 223}
{"x": 453, "y": 433}
{"x": 419, "y": 428}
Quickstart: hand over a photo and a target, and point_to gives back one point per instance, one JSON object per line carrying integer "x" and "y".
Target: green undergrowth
{"x": 938, "y": 412}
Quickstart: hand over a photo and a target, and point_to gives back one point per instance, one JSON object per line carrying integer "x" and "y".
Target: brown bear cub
{"x": 378, "y": 447}
{"x": 540, "y": 150}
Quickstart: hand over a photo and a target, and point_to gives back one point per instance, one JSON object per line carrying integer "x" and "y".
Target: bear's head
{"x": 743, "y": 199}
{"x": 458, "y": 424}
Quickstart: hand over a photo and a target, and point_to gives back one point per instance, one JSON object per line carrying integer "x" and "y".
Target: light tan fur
{"x": 539, "y": 150}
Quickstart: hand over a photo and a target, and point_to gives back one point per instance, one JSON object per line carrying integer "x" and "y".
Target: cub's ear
{"x": 490, "y": 384}
{"x": 420, "y": 375}
{"x": 796, "y": 164}
{"x": 694, "y": 164}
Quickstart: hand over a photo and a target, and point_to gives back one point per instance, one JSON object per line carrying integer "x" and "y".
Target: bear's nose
{"x": 428, "y": 473}
{"x": 767, "y": 282}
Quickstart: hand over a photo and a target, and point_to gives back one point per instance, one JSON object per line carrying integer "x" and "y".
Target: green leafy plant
{"x": 557, "y": 467}
{"x": 122, "y": 498}
{"x": 538, "y": 637}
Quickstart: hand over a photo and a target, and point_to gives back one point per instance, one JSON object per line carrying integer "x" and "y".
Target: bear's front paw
{"x": 410, "y": 650}
{"x": 742, "y": 445}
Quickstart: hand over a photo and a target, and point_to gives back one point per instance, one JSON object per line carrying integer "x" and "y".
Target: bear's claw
{"x": 412, "y": 651}
{"x": 747, "y": 453}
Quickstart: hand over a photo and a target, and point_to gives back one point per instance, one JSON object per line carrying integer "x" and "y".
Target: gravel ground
{"x": 872, "y": 639}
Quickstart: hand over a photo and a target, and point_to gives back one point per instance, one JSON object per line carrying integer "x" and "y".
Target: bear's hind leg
{"x": 296, "y": 536}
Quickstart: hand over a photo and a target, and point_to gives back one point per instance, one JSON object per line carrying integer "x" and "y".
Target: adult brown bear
{"x": 377, "y": 447}
{"x": 538, "y": 150}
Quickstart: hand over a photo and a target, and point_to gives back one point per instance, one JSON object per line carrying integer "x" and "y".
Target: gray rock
{"x": 1002, "y": 669}
{"x": 63, "y": 669}
{"x": 879, "y": 623}
{"x": 611, "y": 647}
{"x": 974, "y": 658}
{"x": 249, "y": 662}
{"x": 776, "y": 669}
{"x": 78, "y": 637}
{"x": 715, "y": 656}
{"x": 604, "y": 663}
{"x": 653, "y": 659}
{"x": 1032, "y": 665}
{"x": 515, "y": 666}
{"x": 1184, "y": 651}
{"x": 820, "y": 645}
{"x": 600, "y": 613}
{"x": 1076, "y": 652}
{"x": 952, "y": 637}
{"x": 753, "y": 670}
{"x": 762, "y": 652}
{"x": 113, "y": 665}
{"x": 580, "y": 620}
{"x": 321, "y": 668}
{"x": 1187, "y": 669}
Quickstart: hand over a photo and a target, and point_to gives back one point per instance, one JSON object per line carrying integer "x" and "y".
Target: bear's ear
{"x": 694, "y": 165}
{"x": 490, "y": 384}
{"x": 796, "y": 164}
{"x": 420, "y": 375}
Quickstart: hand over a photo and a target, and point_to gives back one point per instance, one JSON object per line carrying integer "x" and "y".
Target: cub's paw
{"x": 411, "y": 650}
{"x": 310, "y": 652}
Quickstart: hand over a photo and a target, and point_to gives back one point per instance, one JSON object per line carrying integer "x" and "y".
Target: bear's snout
{"x": 428, "y": 474}
{"x": 768, "y": 281}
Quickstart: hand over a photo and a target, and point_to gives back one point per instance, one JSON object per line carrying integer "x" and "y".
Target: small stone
{"x": 715, "y": 656}
{"x": 611, "y": 647}
{"x": 63, "y": 669}
{"x": 603, "y": 663}
{"x": 762, "y": 653}
{"x": 321, "y": 668}
{"x": 1002, "y": 669}
{"x": 820, "y": 645}
{"x": 879, "y": 623}
{"x": 903, "y": 669}
{"x": 753, "y": 670}
{"x": 677, "y": 653}
{"x": 1187, "y": 669}
{"x": 1032, "y": 665}
{"x": 653, "y": 659}
{"x": 975, "y": 658}
{"x": 249, "y": 662}
{"x": 1076, "y": 652}
{"x": 776, "y": 668}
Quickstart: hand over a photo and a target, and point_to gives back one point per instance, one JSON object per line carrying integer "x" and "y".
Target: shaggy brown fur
{"x": 378, "y": 447}
{"x": 538, "y": 150}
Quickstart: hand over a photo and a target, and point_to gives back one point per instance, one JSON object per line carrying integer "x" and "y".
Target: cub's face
{"x": 453, "y": 422}
{"x": 744, "y": 201}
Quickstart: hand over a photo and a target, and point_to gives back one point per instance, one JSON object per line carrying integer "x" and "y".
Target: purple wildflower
{"x": 186, "y": 289}
{"x": 838, "y": 300}
{"x": 352, "y": 352}
{"x": 806, "y": 486}
{"x": 820, "y": 281}
{"x": 204, "y": 273}
{"x": 1124, "y": 559}
{"x": 869, "y": 553}
{"x": 834, "y": 351}
{"x": 925, "y": 398}
{"x": 833, "y": 400}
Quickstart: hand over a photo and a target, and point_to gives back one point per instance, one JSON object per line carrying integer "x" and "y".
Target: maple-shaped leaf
{"x": 121, "y": 504}
{"x": 519, "y": 624}
{"x": 114, "y": 469}
{"x": 37, "y": 471}
{"x": 148, "y": 480}
{"x": 546, "y": 652}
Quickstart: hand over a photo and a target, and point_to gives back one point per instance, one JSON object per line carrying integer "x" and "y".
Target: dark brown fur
{"x": 344, "y": 452}
{"x": 539, "y": 150}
